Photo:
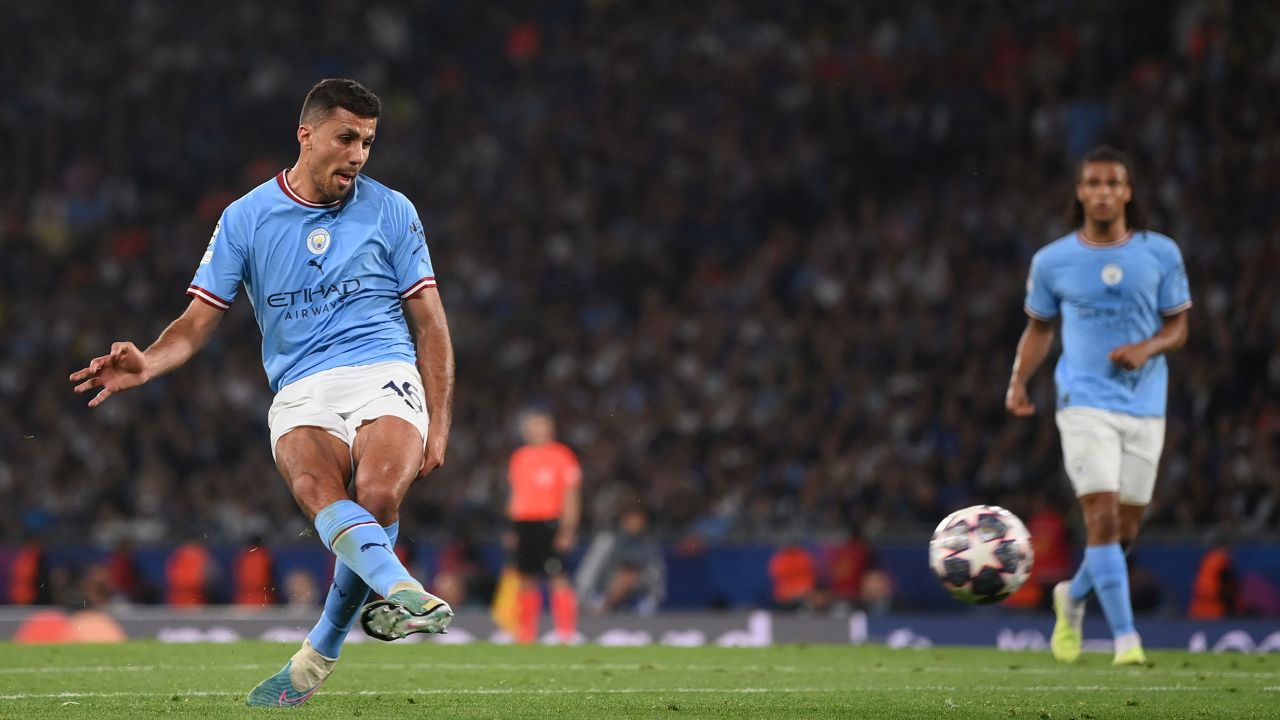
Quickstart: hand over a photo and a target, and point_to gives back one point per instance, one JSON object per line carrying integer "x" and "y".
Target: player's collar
{"x": 1085, "y": 241}
{"x": 289, "y": 193}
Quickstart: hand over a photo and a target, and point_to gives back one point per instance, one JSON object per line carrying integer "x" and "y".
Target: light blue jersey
{"x": 1108, "y": 296}
{"x": 325, "y": 281}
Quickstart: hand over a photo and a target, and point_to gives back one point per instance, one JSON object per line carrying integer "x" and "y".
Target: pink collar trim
{"x": 1089, "y": 243}
{"x": 289, "y": 193}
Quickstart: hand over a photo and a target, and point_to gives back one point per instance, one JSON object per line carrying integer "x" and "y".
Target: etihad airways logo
{"x": 320, "y": 293}
{"x": 316, "y": 300}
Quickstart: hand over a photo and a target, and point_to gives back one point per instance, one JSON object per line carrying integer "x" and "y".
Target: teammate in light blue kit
{"x": 1121, "y": 291}
{"x": 356, "y": 346}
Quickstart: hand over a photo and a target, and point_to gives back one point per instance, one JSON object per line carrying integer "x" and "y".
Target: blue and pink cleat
{"x": 404, "y": 613}
{"x": 296, "y": 682}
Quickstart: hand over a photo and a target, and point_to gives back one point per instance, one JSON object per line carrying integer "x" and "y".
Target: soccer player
{"x": 1122, "y": 293}
{"x": 355, "y": 345}
{"x": 544, "y": 508}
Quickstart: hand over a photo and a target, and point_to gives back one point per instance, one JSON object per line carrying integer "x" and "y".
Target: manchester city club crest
{"x": 318, "y": 241}
{"x": 1112, "y": 274}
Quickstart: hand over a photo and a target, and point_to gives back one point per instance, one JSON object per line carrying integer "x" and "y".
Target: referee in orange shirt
{"x": 546, "y": 504}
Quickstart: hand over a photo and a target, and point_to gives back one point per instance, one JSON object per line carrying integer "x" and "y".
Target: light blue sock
{"x": 351, "y": 533}
{"x": 346, "y": 596}
{"x": 1081, "y": 583}
{"x": 1111, "y": 583}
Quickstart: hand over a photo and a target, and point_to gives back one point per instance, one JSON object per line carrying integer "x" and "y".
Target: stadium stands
{"x": 766, "y": 263}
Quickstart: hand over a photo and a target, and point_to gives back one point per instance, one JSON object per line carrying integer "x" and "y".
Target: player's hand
{"x": 1131, "y": 356}
{"x": 433, "y": 454}
{"x": 1017, "y": 402}
{"x": 124, "y": 368}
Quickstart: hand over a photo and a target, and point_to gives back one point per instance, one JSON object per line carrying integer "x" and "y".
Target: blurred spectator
{"x": 877, "y": 592}
{"x": 29, "y": 582}
{"x": 795, "y": 577}
{"x": 189, "y": 574}
{"x": 1050, "y": 541}
{"x": 1259, "y": 596}
{"x": 623, "y": 568}
{"x": 1051, "y": 546}
{"x": 300, "y": 588}
{"x": 253, "y": 572}
{"x": 96, "y": 588}
{"x": 462, "y": 578}
{"x": 126, "y": 575}
{"x": 845, "y": 566}
{"x": 1215, "y": 594}
{"x": 770, "y": 258}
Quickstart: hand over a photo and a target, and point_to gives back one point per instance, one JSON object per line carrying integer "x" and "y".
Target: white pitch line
{"x": 657, "y": 692}
{"x": 433, "y": 691}
{"x": 624, "y": 667}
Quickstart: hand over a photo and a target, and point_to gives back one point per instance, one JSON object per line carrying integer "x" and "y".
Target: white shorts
{"x": 1111, "y": 452}
{"x": 344, "y": 398}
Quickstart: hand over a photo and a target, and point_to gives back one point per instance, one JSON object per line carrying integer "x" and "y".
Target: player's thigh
{"x": 304, "y": 404}
{"x": 315, "y": 465}
{"x": 310, "y": 444}
{"x": 1091, "y": 450}
{"x": 1140, "y": 460}
{"x": 388, "y": 457}
{"x": 384, "y": 410}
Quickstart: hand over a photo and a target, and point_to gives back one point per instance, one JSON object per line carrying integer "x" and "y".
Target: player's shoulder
{"x": 1056, "y": 248}
{"x": 1151, "y": 236}
{"x": 1159, "y": 243}
{"x": 255, "y": 202}
{"x": 377, "y": 192}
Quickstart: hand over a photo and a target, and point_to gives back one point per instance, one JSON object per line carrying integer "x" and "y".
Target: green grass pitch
{"x": 145, "y": 680}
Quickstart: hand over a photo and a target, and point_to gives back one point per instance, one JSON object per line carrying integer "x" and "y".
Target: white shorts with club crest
{"x": 1108, "y": 451}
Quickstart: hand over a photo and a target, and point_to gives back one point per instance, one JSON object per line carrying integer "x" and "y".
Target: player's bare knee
{"x": 1103, "y": 526}
{"x": 382, "y": 502}
{"x": 313, "y": 493}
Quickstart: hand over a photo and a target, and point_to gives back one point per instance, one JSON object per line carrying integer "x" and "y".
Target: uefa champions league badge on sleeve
{"x": 208, "y": 253}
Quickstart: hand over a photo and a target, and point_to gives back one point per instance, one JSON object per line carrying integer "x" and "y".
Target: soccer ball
{"x": 981, "y": 554}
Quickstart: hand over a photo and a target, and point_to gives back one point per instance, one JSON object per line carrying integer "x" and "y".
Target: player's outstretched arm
{"x": 1033, "y": 348}
{"x": 127, "y": 367}
{"x": 435, "y": 362}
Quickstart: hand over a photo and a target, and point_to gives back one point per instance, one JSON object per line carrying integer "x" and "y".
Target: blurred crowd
{"x": 766, "y": 262}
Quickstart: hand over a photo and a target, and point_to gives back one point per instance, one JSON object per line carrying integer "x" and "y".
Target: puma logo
{"x": 317, "y": 264}
{"x": 366, "y": 546}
